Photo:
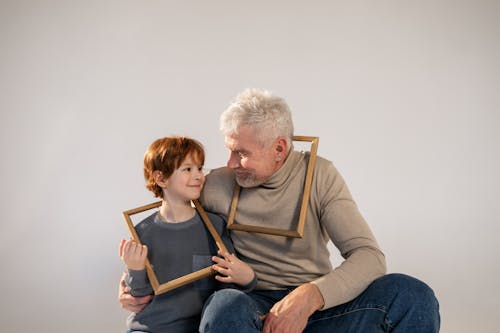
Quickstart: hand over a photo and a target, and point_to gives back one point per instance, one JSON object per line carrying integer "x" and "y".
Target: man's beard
{"x": 247, "y": 179}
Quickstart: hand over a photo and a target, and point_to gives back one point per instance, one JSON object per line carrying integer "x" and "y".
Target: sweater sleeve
{"x": 138, "y": 283}
{"x": 340, "y": 217}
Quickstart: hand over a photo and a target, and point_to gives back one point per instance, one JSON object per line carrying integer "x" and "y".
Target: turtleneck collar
{"x": 288, "y": 170}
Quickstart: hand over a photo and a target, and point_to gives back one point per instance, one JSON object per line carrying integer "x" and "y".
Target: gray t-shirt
{"x": 174, "y": 250}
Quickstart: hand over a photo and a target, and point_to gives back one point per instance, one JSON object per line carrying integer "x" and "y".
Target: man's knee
{"x": 414, "y": 298}
{"x": 409, "y": 287}
{"x": 227, "y": 309}
{"x": 227, "y": 299}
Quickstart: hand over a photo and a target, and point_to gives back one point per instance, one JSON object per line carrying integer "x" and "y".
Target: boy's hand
{"x": 133, "y": 255}
{"x": 233, "y": 269}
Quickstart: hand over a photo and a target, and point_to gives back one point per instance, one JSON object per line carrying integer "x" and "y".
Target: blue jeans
{"x": 392, "y": 303}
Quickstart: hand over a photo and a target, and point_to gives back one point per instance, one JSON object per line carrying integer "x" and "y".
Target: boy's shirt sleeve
{"x": 137, "y": 281}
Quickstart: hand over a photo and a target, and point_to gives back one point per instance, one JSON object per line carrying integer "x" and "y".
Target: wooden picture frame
{"x": 299, "y": 231}
{"x": 160, "y": 288}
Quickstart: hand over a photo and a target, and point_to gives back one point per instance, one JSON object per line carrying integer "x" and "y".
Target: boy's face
{"x": 186, "y": 182}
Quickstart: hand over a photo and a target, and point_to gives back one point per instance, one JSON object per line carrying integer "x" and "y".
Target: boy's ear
{"x": 160, "y": 179}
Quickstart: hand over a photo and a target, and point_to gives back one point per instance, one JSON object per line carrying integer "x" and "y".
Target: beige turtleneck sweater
{"x": 282, "y": 262}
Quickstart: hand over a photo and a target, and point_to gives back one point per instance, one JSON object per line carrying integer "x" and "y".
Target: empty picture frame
{"x": 160, "y": 288}
{"x": 299, "y": 231}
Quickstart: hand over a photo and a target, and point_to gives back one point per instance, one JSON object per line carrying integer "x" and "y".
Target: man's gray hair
{"x": 268, "y": 114}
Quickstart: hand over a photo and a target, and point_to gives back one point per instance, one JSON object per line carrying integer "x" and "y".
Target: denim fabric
{"x": 392, "y": 303}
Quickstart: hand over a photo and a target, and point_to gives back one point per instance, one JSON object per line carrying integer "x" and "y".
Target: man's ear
{"x": 281, "y": 149}
{"x": 160, "y": 180}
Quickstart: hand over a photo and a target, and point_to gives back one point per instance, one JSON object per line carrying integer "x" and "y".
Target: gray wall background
{"x": 404, "y": 96}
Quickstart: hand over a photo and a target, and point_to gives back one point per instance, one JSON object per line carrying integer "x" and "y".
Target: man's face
{"x": 252, "y": 163}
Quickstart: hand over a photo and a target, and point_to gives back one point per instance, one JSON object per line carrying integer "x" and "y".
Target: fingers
{"x": 144, "y": 252}
{"x": 229, "y": 257}
{"x": 134, "y": 255}
{"x": 133, "y": 304}
{"x": 225, "y": 279}
{"x": 129, "y": 302}
{"x": 221, "y": 270}
{"x": 268, "y": 323}
{"x": 125, "y": 247}
{"x": 123, "y": 285}
{"x": 132, "y": 248}
{"x": 232, "y": 269}
{"x": 273, "y": 323}
{"x": 135, "y": 308}
{"x": 122, "y": 244}
{"x": 226, "y": 260}
{"x": 220, "y": 261}
{"x": 223, "y": 267}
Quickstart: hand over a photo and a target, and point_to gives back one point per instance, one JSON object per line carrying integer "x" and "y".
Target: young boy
{"x": 176, "y": 242}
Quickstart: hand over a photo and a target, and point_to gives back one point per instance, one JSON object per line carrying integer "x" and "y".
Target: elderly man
{"x": 298, "y": 290}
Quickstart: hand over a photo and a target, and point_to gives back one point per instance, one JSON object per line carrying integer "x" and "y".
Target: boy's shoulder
{"x": 146, "y": 223}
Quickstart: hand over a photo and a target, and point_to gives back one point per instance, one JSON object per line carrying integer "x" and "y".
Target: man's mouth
{"x": 240, "y": 172}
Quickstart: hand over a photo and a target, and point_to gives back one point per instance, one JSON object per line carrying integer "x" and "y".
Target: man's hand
{"x": 129, "y": 302}
{"x": 291, "y": 313}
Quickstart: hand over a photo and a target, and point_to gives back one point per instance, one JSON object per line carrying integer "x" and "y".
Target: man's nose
{"x": 234, "y": 161}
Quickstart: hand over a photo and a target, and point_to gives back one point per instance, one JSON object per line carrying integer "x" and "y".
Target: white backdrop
{"x": 404, "y": 96}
